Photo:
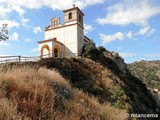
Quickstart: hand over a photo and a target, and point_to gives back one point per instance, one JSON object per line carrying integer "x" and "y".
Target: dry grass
{"x": 26, "y": 93}
{"x": 106, "y": 110}
{"x": 25, "y": 88}
{"x": 5, "y": 109}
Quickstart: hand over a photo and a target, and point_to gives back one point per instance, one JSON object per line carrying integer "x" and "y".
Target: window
{"x": 80, "y": 18}
{"x": 70, "y": 16}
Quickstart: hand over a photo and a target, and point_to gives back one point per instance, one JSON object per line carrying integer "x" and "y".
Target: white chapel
{"x": 63, "y": 40}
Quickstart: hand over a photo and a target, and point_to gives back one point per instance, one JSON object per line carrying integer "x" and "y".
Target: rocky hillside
{"x": 97, "y": 86}
{"x": 147, "y": 71}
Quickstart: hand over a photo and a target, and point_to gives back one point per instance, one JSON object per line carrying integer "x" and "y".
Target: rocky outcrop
{"x": 119, "y": 61}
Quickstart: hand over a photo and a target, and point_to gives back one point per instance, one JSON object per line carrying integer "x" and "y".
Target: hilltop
{"x": 97, "y": 86}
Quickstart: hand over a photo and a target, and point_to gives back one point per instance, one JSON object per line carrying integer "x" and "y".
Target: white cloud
{"x": 7, "y": 7}
{"x": 84, "y": 3}
{"x": 126, "y": 54}
{"x": 54, "y": 4}
{"x": 37, "y": 29}
{"x": 130, "y": 34}
{"x": 4, "y": 11}
{"x": 14, "y": 36}
{"x": 146, "y": 31}
{"x": 110, "y": 38}
{"x": 18, "y": 9}
{"x": 24, "y": 3}
{"x": 24, "y": 21}
{"x": 137, "y": 12}
{"x": 151, "y": 31}
{"x": 61, "y": 4}
{"x": 87, "y": 28}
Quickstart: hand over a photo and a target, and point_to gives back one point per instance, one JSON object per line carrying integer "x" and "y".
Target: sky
{"x": 129, "y": 27}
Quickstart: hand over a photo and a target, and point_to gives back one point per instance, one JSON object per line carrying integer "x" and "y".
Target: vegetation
{"x": 132, "y": 86}
{"x": 147, "y": 71}
{"x": 34, "y": 92}
{"x": 104, "y": 83}
{"x": 4, "y": 32}
{"x": 90, "y": 51}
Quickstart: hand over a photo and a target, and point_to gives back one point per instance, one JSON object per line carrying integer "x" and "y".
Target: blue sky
{"x": 129, "y": 27}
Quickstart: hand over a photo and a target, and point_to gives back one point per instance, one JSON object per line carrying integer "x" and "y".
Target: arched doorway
{"x": 45, "y": 51}
{"x": 56, "y": 51}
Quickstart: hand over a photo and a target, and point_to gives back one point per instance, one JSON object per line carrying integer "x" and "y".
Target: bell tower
{"x": 73, "y": 15}
{"x": 73, "y": 22}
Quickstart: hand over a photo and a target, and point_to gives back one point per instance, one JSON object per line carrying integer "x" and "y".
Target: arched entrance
{"x": 45, "y": 51}
{"x": 56, "y": 51}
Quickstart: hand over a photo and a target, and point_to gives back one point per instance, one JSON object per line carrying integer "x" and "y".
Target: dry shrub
{"x": 7, "y": 109}
{"x": 32, "y": 94}
{"x": 89, "y": 106}
{"x": 111, "y": 113}
{"x": 52, "y": 76}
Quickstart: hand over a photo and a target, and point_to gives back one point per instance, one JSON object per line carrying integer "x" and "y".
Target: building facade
{"x": 64, "y": 40}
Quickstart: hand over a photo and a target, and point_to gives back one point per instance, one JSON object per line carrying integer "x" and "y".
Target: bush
{"x": 90, "y": 51}
{"x": 102, "y": 49}
{"x": 118, "y": 97}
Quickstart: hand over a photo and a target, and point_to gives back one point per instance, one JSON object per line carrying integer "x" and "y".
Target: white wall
{"x": 71, "y": 39}
{"x": 55, "y": 33}
{"x": 66, "y": 35}
{"x": 80, "y": 39}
